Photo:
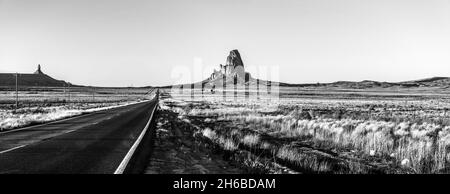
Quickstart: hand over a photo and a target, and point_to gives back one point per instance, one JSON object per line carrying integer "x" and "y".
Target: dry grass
{"x": 411, "y": 134}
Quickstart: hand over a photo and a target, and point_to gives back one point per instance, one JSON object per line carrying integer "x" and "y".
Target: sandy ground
{"x": 176, "y": 151}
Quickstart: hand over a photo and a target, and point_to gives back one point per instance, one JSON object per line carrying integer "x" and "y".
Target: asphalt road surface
{"x": 93, "y": 143}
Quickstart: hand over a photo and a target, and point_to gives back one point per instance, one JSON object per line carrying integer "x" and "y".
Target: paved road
{"x": 93, "y": 143}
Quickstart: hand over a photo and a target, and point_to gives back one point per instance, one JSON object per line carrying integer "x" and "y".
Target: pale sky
{"x": 140, "y": 42}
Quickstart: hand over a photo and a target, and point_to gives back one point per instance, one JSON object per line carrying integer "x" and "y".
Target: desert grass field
{"x": 38, "y": 105}
{"x": 58, "y": 95}
{"x": 322, "y": 130}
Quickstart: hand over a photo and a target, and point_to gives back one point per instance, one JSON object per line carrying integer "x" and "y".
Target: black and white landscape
{"x": 224, "y": 87}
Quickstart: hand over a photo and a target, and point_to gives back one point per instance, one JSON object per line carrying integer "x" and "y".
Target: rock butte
{"x": 233, "y": 69}
{"x": 36, "y": 79}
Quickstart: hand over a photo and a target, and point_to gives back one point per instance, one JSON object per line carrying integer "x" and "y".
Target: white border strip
{"x": 130, "y": 153}
{"x": 11, "y": 149}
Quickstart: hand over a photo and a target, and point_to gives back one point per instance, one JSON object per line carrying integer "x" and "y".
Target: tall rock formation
{"x": 233, "y": 68}
{"x": 234, "y": 59}
{"x": 38, "y": 71}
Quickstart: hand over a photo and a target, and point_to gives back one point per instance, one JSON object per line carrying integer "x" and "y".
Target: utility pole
{"x": 93, "y": 94}
{"x": 68, "y": 85}
{"x": 17, "y": 91}
{"x": 64, "y": 94}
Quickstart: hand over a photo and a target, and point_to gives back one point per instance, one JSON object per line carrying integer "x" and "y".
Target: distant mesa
{"x": 36, "y": 79}
{"x": 434, "y": 82}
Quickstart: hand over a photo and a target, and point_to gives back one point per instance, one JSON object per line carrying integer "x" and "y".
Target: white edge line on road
{"x": 130, "y": 153}
{"x": 69, "y": 118}
{"x": 69, "y": 131}
{"x": 14, "y": 148}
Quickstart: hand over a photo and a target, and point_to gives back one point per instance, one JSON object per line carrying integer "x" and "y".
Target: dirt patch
{"x": 177, "y": 151}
